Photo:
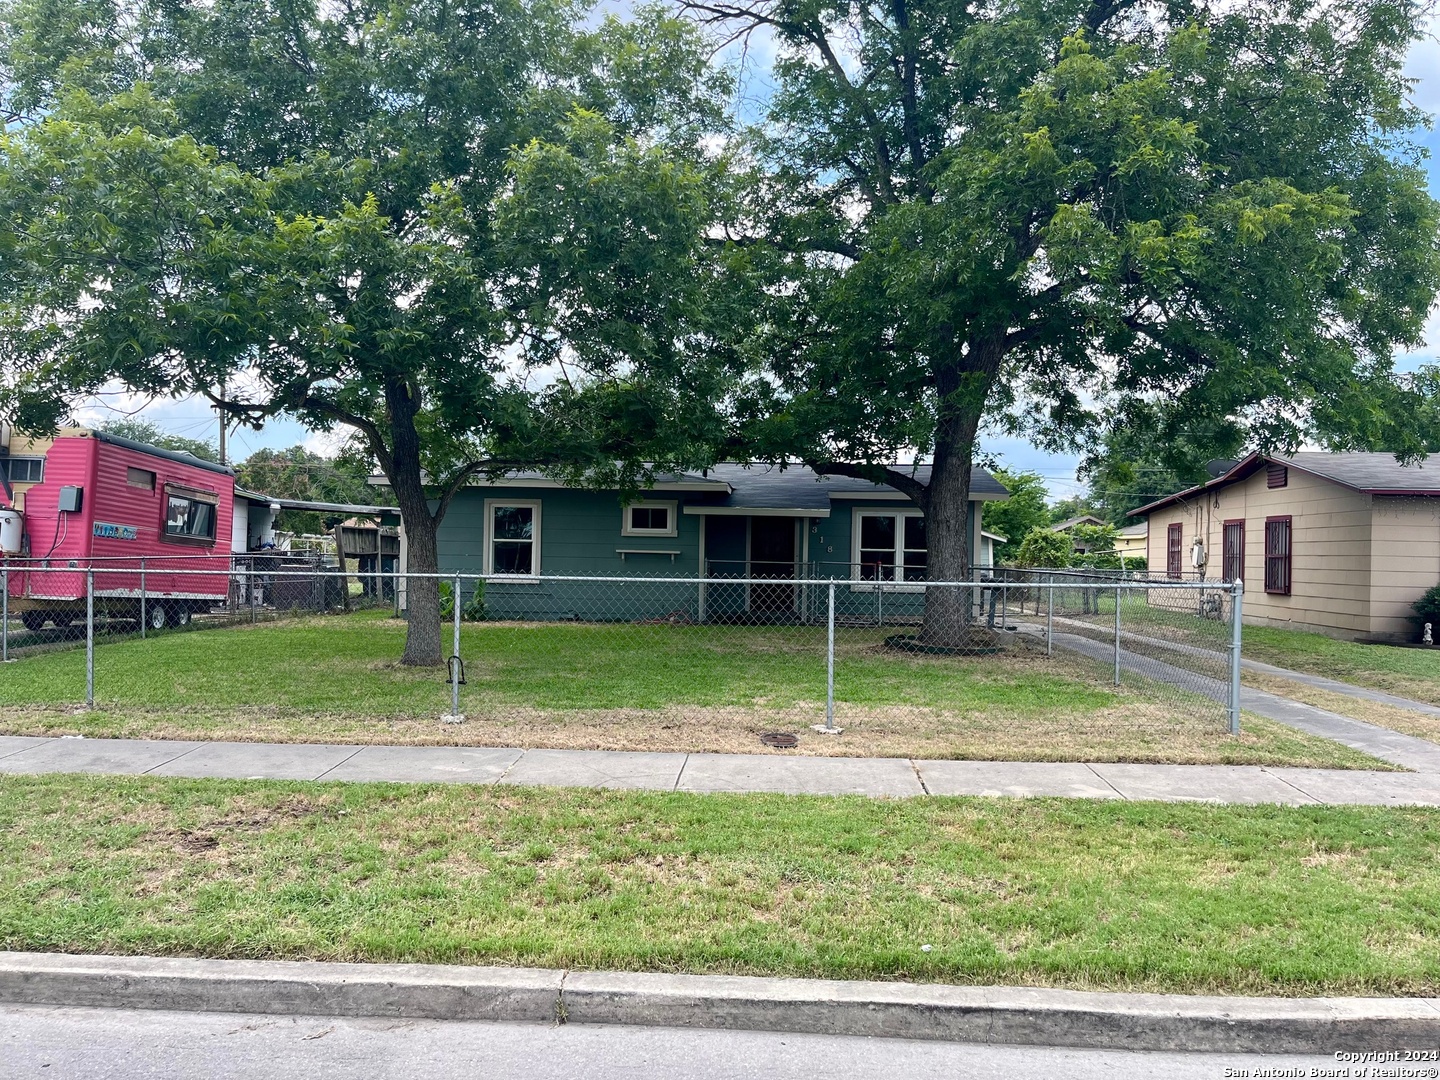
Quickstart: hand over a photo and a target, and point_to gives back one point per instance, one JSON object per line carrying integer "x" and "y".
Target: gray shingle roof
{"x": 798, "y": 487}
{"x": 1370, "y": 472}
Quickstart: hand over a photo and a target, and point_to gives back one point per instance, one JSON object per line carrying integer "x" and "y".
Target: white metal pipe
{"x": 1236, "y": 639}
{"x": 90, "y": 637}
{"x": 455, "y": 656}
{"x": 830, "y": 661}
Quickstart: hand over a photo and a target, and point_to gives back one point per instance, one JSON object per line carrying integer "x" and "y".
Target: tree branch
{"x": 903, "y": 482}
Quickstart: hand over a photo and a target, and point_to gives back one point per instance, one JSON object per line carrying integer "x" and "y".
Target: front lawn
{"x": 1412, "y": 673}
{"x": 633, "y": 687}
{"x": 1138, "y": 896}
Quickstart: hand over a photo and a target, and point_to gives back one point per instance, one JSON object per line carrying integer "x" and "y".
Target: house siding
{"x": 580, "y": 535}
{"x": 1358, "y": 561}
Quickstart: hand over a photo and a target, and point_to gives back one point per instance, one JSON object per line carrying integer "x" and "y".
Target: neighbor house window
{"x": 1278, "y": 550}
{"x": 140, "y": 478}
{"x": 1174, "y": 542}
{"x": 190, "y": 515}
{"x": 648, "y": 519}
{"x": 512, "y": 542}
{"x": 1233, "y": 565}
{"x": 890, "y": 546}
{"x": 24, "y": 470}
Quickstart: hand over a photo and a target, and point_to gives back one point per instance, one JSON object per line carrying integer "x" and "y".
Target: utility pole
{"x": 224, "y": 421}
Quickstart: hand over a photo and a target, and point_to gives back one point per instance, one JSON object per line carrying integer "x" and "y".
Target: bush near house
{"x": 1428, "y": 606}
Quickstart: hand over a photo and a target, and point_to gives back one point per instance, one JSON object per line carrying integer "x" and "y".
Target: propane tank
{"x": 12, "y": 530}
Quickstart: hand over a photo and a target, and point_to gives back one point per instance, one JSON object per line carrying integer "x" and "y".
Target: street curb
{"x": 976, "y": 1014}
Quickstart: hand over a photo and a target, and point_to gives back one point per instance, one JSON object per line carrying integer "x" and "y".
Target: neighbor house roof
{"x": 362, "y": 509}
{"x": 1374, "y": 474}
{"x": 1080, "y": 519}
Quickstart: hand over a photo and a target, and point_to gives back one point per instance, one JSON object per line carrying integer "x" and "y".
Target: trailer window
{"x": 140, "y": 478}
{"x": 189, "y": 517}
{"x": 24, "y": 470}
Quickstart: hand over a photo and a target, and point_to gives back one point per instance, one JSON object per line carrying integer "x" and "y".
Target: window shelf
{"x": 624, "y": 552}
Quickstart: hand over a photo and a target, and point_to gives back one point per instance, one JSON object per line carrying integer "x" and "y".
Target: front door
{"x": 772, "y": 558}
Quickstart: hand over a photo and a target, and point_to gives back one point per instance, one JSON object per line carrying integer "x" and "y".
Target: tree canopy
{"x": 298, "y": 473}
{"x": 1016, "y": 516}
{"x": 317, "y": 209}
{"x": 1036, "y": 217}
{"x": 147, "y": 432}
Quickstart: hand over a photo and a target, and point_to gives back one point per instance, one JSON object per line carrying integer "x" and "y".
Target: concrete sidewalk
{"x": 883, "y": 777}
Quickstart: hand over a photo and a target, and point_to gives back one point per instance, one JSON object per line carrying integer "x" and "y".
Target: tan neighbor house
{"x": 1341, "y": 544}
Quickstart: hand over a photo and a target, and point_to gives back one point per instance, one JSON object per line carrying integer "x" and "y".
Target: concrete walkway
{"x": 885, "y": 777}
{"x": 1334, "y": 686}
{"x": 1404, "y": 750}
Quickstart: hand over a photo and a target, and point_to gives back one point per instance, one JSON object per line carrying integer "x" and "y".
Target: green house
{"x": 742, "y": 536}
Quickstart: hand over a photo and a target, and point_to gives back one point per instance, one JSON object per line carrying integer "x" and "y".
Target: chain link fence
{"x": 763, "y": 652}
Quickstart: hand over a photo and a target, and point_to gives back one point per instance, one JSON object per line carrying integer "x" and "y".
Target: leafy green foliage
{"x": 298, "y": 473}
{"x": 1428, "y": 606}
{"x": 1016, "y": 516}
{"x": 146, "y": 432}
{"x": 1043, "y": 546}
{"x": 1053, "y": 217}
{"x": 472, "y": 610}
{"x": 310, "y": 208}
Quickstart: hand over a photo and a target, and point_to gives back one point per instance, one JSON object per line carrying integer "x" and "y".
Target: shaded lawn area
{"x": 1412, "y": 673}
{"x": 1142, "y": 896}
{"x": 633, "y": 687}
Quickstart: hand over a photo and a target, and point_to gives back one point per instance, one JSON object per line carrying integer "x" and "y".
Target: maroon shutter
{"x": 1278, "y": 550}
{"x": 1276, "y": 475}
{"x": 1233, "y": 568}
{"x": 1174, "y": 539}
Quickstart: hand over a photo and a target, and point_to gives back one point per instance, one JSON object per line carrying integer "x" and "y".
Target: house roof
{"x": 318, "y": 507}
{"x": 736, "y": 488}
{"x": 1373, "y": 474}
{"x": 1140, "y": 528}
{"x": 799, "y": 488}
{"x": 1079, "y": 519}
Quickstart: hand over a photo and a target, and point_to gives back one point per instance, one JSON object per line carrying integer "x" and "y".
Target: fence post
{"x": 5, "y": 617}
{"x": 1117, "y": 634}
{"x": 1004, "y": 604}
{"x": 455, "y": 657}
{"x": 250, "y": 587}
{"x": 1050, "y": 620}
{"x": 395, "y": 587}
{"x": 1236, "y": 606}
{"x": 144, "y": 618}
{"x": 830, "y": 661}
{"x": 90, "y": 637}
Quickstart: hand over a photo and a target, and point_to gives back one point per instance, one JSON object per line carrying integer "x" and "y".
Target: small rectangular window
{"x": 1174, "y": 542}
{"x": 24, "y": 470}
{"x": 140, "y": 478}
{"x": 514, "y": 531}
{"x": 1279, "y": 549}
{"x": 189, "y": 518}
{"x": 1233, "y": 568}
{"x": 1276, "y": 476}
{"x": 649, "y": 519}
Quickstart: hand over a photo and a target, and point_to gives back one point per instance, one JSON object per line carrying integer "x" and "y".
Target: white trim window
{"x": 888, "y": 546}
{"x": 25, "y": 470}
{"x": 512, "y": 537}
{"x": 649, "y": 517}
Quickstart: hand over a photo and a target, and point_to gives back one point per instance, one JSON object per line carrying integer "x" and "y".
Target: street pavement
{"x": 45, "y": 1043}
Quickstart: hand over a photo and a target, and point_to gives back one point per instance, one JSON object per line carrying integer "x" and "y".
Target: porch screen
{"x": 1278, "y": 548}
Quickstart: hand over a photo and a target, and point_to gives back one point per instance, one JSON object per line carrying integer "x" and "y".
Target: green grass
{"x": 629, "y": 686}
{"x": 1412, "y": 673}
{"x": 1183, "y": 898}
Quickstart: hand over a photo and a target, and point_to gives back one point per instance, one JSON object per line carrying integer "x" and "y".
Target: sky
{"x": 192, "y": 418}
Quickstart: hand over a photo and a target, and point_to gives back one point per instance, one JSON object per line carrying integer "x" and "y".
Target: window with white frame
{"x": 512, "y": 537}
{"x": 25, "y": 470}
{"x": 648, "y": 518}
{"x": 889, "y": 546}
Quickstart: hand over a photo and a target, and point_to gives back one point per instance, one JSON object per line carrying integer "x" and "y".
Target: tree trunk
{"x": 948, "y": 613}
{"x": 962, "y": 389}
{"x": 422, "y": 594}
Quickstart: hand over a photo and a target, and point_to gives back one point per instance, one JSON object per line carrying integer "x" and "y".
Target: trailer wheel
{"x": 32, "y": 620}
{"x": 155, "y": 616}
{"x": 180, "y": 616}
